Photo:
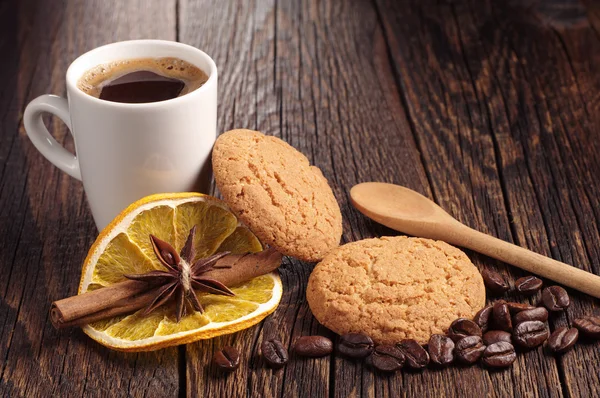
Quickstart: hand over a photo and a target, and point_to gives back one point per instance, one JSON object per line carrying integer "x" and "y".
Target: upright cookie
{"x": 394, "y": 288}
{"x": 275, "y": 191}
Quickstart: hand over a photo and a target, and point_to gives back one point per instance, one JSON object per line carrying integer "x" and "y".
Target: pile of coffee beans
{"x": 497, "y": 328}
{"x": 489, "y": 338}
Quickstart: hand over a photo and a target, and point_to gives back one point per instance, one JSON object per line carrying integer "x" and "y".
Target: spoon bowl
{"x": 380, "y": 197}
{"x": 401, "y": 208}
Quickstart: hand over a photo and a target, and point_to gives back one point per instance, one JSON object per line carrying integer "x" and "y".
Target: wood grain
{"x": 491, "y": 108}
{"x": 453, "y": 130}
{"x": 328, "y": 104}
{"x": 45, "y": 225}
{"x": 562, "y": 77}
{"x": 505, "y": 71}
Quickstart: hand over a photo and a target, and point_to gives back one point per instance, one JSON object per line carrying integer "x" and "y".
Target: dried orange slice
{"x": 124, "y": 247}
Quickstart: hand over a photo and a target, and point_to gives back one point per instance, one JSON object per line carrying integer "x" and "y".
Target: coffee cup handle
{"x": 41, "y": 138}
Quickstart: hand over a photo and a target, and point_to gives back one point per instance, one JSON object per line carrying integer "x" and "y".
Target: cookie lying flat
{"x": 394, "y": 288}
{"x": 275, "y": 191}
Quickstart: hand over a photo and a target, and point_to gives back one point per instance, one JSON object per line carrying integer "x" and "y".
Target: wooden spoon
{"x": 407, "y": 211}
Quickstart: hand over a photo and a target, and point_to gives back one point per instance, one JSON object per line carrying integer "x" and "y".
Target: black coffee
{"x": 141, "y": 86}
{"x": 142, "y": 80}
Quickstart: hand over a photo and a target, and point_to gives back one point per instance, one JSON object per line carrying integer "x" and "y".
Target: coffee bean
{"x": 416, "y": 356}
{"x": 227, "y": 359}
{"x": 588, "y": 326}
{"x": 499, "y": 355}
{"x": 515, "y": 308}
{"x": 530, "y": 333}
{"x": 495, "y": 336}
{"x": 386, "y": 358}
{"x": 494, "y": 281}
{"x": 355, "y": 345}
{"x": 483, "y": 318}
{"x": 462, "y": 328}
{"x": 501, "y": 316}
{"x": 274, "y": 353}
{"x": 555, "y": 298}
{"x": 313, "y": 346}
{"x": 528, "y": 285}
{"x": 563, "y": 339}
{"x": 535, "y": 314}
{"x": 441, "y": 349}
{"x": 469, "y": 349}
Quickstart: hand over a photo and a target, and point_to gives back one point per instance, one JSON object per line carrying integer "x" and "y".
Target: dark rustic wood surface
{"x": 491, "y": 108}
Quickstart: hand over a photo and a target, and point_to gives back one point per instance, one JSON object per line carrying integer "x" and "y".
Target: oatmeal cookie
{"x": 395, "y": 288}
{"x": 275, "y": 191}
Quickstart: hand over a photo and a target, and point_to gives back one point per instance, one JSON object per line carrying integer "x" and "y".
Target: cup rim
{"x": 72, "y": 80}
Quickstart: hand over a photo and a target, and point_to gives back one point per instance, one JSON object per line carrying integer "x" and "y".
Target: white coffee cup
{"x": 125, "y": 151}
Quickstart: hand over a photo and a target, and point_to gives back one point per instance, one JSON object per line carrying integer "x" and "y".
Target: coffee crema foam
{"x": 99, "y": 76}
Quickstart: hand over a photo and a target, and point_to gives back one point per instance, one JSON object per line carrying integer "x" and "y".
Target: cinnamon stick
{"x": 131, "y": 295}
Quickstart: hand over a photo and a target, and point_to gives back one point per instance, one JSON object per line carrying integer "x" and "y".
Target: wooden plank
{"x": 555, "y": 74}
{"x": 449, "y": 89}
{"x": 557, "y": 70}
{"x": 238, "y": 36}
{"x": 531, "y": 72}
{"x": 313, "y": 87}
{"x": 45, "y": 225}
{"x": 503, "y": 110}
{"x": 593, "y": 14}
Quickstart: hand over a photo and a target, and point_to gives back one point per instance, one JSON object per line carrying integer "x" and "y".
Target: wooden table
{"x": 491, "y": 108}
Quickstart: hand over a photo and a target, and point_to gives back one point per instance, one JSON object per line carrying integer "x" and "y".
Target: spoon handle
{"x": 562, "y": 273}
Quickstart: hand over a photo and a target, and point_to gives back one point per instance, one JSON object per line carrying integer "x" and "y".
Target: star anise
{"x": 181, "y": 277}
